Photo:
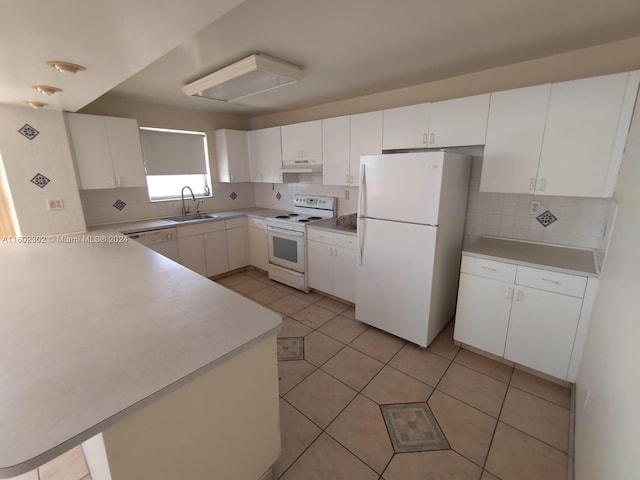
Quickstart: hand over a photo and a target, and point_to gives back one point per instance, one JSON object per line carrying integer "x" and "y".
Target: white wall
{"x": 47, "y": 153}
{"x": 607, "y": 438}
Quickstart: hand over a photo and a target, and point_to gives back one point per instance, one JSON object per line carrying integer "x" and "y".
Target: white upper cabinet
{"x": 265, "y": 155}
{"x": 366, "y": 139}
{"x": 107, "y": 150}
{"x": 232, "y": 157}
{"x": 406, "y": 127}
{"x": 514, "y": 139}
{"x": 335, "y": 150}
{"x": 302, "y": 142}
{"x": 459, "y": 122}
{"x": 587, "y": 125}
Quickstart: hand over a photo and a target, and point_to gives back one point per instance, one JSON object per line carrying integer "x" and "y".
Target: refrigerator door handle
{"x": 363, "y": 173}
{"x": 360, "y": 235}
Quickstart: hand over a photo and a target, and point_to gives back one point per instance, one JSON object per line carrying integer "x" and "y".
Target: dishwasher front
{"x": 164, "y": 241}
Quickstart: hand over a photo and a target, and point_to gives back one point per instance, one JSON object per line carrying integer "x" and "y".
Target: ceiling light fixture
{"x": 255, "y": 74}
{"x": 66, "y": 67}
{"x": 36, "y": 104}
{"x": 46, "y": 89}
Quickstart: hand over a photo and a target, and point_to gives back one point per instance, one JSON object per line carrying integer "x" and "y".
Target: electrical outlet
{"x": 346, "y": 194}
{"x": 55, "y": 204}
{"x": 534, "y": 208}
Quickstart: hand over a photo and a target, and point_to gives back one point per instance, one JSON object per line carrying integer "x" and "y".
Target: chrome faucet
{"x": 200, "y": 202}
{"x": 185, "y": 209}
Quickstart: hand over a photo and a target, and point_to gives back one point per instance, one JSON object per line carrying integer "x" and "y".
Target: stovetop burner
{"x": 293, "y": 214}
{"x": 314, "y": 218}
{"x": 282, "y": 216}
{"x": 304, "y": 220}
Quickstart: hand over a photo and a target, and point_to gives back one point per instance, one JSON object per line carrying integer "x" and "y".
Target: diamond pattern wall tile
{"x": 40, "y": 180}
{"x": 119, "y": 204}
{"x": 546, "y": 218}
{"x": 28, "y": 131}
{"x": 278, "y": 196}
{"x": 233, "y": 195}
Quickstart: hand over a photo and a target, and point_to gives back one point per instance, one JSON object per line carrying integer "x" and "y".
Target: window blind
{"x": 173, "y": 152}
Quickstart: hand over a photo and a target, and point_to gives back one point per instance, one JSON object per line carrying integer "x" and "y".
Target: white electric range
{"x": 287, "y": 238}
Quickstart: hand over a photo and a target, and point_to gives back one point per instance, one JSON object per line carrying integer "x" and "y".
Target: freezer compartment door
{"x": 401, "y": 186}
{"x": 394, "y": 277}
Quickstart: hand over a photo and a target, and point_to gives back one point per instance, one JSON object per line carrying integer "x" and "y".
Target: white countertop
{"x": 330, "y": 225}
{"x": 93, "y": 331}
{"x": 557, "y": 258}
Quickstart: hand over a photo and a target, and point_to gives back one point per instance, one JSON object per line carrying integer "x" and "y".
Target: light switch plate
{"x": 534, "y": 208}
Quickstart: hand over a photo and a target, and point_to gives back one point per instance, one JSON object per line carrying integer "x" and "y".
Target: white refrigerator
{"x": 411, "y": 215}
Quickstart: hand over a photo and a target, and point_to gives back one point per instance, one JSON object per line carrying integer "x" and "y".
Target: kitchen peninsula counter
{"x": 97, "y": 332}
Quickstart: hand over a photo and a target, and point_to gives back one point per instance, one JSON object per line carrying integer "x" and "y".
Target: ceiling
{"x": 347, "y": 48}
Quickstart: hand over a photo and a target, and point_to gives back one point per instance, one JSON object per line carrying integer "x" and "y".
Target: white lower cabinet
{"x": 237, "y": 244}
{"x": 530, "y": 316}
{"x": 258, "y": 243}
{"x": 332, "y": 263}
{"x": 215, "y": 253}
{"x": 202, "y": 247}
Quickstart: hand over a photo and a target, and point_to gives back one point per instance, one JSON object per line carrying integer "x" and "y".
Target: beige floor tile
{"x": 318, "y": 348}
{"x": 437, "y": 465}
{"x": 393, "y": 386}
{"x": 361, "y": 429}
{"x": 249, "y": 287}
{"x": 487, "y": 476}
{"x": 68, "y": 466}
{"x": 538, "y": 417}
{"x": 297, "y": 433}
{"x": 343, "y": 329}
{"x": 517, "y": 456}
{"x": 257, "y": 274}
{"x": 378, "y": 344}
{"x": 291, "y": 373}
{"x": 474, "y": 388}
{"x": 310, "y": 297}
{"x": 468, "y": 430}
{"x": 425, "y": 366}
{"x": 32, "y": 475}
{"x": 542, "y": 388}
{"x": 333, "y": 304}
{"x": 284, "y": 288}
{"x": 350, "y": 312}
{"x": 234, "y": 279}
{"x": 353, "y": 367}
{"x": 320, "y": 397}
{"x": 267, "y": 295}
{"x": 485, "y": 365}
{"x": 443, "y": 344}
{"x": 289, "y": 304}
{"x": 326, "y": 459}
{"x": 293, "y": 328}
{"x": 314, "y": 316}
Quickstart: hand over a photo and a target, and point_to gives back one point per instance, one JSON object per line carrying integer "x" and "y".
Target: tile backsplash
{"x": 580, "y": 222}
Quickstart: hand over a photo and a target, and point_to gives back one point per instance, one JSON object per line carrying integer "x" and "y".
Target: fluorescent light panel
{"x": 255, "y": 74}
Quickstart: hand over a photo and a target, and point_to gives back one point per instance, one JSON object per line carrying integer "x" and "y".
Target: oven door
{"x": 286, "y": 248}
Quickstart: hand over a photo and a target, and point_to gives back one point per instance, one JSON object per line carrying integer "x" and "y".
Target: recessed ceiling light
{"x": 46, "y": 89}
{"x": 66, "y": 67}
{"x": 36, "y": 104}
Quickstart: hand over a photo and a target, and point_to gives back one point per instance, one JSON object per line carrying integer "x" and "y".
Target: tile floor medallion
{"x": 413, "y": 428}
{"x": 291, "y": 348}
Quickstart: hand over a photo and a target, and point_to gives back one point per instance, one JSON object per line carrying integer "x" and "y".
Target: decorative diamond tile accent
{"x": 413, "y": 428}
{"x": 119, "y": 204}
{"x": 291, "y": 348}
{"x": 28, "y": 131}
{"x": 278, "y": 196}
{"x": 546, "y": 218}
{"x": 233, "y": 195}
{"x": 40, "y": 180}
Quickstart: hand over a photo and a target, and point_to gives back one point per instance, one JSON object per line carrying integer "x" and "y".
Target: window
{"x": 174, "y": 159}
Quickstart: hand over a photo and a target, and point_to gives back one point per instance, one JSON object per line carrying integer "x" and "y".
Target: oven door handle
{"x": 285, "y": 231}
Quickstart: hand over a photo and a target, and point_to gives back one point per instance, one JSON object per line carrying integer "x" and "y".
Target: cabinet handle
{"x": 509, "y": 293}
{"x": 424, "y": 138}
{"x": 120, "y": 182}
{"x": 432, "y": 138}
{"x": 488, "y": 268}
{"x": 113, "y": 181}
{"x": 532, "y": 184}
{"x": 280, "y": 177}
{"x": 520, "y": 296}
{"x": 335, "y": 252}
{"x": 543, "y": 184}
{"x": 351, "y": 179}
{"x": 346, "y": 179}
{"x": 551, "y": 281}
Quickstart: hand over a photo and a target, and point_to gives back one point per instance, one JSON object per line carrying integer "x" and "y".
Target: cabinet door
{"x": 459, "y": 122}
{"x": 302, "y": 141}
{"x": 406, "y": 127}
{"x": 126, "y": 151}
{"x": 237, "y": 248}
{"x": 168, "y": 249}
{"x": 344, "y": 273}
{"x": 215, "y": 252}
{"x": 542, "y": 330}
{"x": 335, "y": 150}
{"x": 319, "y": 256}
{"x": 265, "y": 155}
{"x": 92, "y": 151}
{"x": 191, "y": 253}
{"x": 482, "y": 314}
{"x": 366, "y": 139}
{"x": 579, "y": 135}
{"x": 514, "y": 139}
{"x": 231, "y": 156}
{"x": 258, "y": 248}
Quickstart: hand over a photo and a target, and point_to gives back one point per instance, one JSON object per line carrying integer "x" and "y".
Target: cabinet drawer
{"x": 200, "y": 228}
{"x": 319, "y": 235}
{"x": 257, "y": 222}
{"x": 346, "y": 241}
{"x": 563, "y": 283}
{"x": 235, "y": 222}
{"x": 505, "y": 272}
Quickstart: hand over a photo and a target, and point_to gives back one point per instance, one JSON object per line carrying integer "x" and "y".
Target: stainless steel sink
{"x": 195, "y": 216}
